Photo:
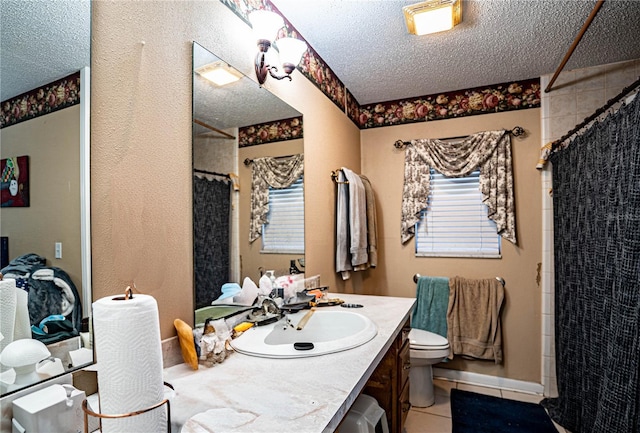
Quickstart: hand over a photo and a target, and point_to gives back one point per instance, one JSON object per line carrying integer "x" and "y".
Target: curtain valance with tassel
{"x": 490, "y": 151}
{"x": 270, "y": 172}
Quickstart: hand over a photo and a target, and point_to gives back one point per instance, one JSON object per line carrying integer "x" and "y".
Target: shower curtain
{"x": 596, "y": 199}
{"x": 211, "y": 222}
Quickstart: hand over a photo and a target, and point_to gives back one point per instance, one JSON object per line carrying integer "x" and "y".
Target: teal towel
{"x": 432, "y": 300}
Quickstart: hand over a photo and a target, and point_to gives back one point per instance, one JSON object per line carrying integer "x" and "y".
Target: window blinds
{"x": 284, "y": 232}
{"x": 455, "y": 223}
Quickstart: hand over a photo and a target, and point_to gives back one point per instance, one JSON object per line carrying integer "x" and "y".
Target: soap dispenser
{"x": 276, "y": 292}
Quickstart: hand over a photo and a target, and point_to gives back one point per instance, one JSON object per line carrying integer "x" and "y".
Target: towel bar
{"x": 416, "y": 276}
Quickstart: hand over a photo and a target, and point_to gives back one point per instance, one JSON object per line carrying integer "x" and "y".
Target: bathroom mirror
{"x": 42, "y": 43}
{"x": 225, "y": 120}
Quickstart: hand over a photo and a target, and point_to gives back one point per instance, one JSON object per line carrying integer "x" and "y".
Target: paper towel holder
{"x": 88, "y": 412}
{"x": 128, "y": 294}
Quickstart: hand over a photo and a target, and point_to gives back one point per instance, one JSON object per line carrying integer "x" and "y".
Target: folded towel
{"x": 473, "y": 318}
{"x": 432, "y": 299}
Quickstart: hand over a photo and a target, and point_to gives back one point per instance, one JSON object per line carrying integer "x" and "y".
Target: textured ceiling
{"x": 211, "y": 103}
{"x": 41, "y": 41}
{"x": 366, "y": 44}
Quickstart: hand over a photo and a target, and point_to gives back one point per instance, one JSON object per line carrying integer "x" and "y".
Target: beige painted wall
{"x": 141, "y": 147}
{"x": 141, "y": 171}
{"x": 52, "y": 143}
{"x": 250, "y": 256}
{"x": 383, "y": 165}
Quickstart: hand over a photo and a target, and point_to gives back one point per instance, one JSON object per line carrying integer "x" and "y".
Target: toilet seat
{"x": 424, "y": 340}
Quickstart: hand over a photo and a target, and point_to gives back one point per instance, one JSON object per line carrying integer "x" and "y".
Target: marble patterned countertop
{"x": 252, "y": 394}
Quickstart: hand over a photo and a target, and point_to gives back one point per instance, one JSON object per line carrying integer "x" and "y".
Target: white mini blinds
{"x": 488, "y": 151}
{"x": 455, "y": 222}
{"x": 284, "y": 230}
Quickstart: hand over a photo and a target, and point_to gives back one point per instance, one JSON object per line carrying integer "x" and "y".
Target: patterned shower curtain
{"x": 211, "y": 222}
{"x": 596, "y": 199}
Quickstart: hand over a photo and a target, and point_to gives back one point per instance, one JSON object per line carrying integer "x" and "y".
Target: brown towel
{"x": 473, "y": 318}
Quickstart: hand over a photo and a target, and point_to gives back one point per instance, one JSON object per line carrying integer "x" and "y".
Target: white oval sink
{"x": 328, "y": 331}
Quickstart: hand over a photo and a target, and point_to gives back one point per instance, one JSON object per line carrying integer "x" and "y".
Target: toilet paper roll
{"x": 129, "y": 356}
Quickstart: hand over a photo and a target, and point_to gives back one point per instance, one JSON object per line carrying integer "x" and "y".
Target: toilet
{"x": 425, "y": 349}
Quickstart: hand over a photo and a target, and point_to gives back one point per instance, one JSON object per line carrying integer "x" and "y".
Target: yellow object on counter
{"x": 241, "y": 327}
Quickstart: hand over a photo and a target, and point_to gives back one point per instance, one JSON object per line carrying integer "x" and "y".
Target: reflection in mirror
{"x": 46, "y": 289}
{"x": 232, "y": 123}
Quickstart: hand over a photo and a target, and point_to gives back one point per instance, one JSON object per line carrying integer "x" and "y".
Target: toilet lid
{"x": 419, "y": 338}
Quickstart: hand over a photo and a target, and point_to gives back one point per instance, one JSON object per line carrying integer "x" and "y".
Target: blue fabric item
{"x": 229, "y": 290}
{"x": 432, "y": 300}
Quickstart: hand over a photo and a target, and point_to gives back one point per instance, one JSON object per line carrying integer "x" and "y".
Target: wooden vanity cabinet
{"x": 389, "y": 383}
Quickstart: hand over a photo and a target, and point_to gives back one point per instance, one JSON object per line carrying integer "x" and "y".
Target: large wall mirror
{"x": 233, "y": 125}
{"x": 45, "y": 93}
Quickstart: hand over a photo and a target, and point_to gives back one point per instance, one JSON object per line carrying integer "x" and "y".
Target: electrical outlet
{"x": 58, "y": 254}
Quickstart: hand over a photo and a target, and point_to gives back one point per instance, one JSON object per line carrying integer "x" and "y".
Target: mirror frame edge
{"x": 85, "y": 189}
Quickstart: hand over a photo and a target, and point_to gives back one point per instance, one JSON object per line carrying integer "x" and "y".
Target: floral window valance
{"x": 270, "y": 172}
{"x": 490, "y": 151}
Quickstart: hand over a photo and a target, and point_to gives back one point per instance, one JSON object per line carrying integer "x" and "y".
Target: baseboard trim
{"x": 488, "y": 381}
{"x": 171, "y": 353}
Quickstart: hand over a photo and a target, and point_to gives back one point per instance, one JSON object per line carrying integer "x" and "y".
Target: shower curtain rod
{"x": 627, "y": 90}
{"x": 516, "y": 132}
{"x": 195, "y": 170}
{"x": 575, "y": 43}
{"x": 213, "y": 128}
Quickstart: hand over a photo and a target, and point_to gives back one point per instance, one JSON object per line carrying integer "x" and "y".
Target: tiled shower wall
{"x": 575, "y": 95}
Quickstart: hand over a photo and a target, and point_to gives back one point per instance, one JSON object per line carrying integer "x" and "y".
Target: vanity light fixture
{"x": 432, "y": 16}
{"x": 219, "y": 73}
{"x": 266, "y": 25}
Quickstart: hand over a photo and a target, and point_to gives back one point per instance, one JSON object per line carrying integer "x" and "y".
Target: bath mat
{"x": 477, "y": 413}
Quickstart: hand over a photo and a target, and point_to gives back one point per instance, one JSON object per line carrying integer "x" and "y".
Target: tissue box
{"x": 48, "y": 410}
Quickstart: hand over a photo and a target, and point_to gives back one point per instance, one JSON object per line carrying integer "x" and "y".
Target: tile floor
{"x": 437, "y": 418}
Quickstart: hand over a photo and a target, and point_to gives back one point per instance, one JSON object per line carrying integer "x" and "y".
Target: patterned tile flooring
{"x": 437, "y": 418}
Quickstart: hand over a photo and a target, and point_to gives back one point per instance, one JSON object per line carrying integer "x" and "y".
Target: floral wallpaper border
{"x": 46, "y": 99}
{"x": 467, "y": 102}
{"x": 311, "y": 66}
{"x": 479, "y": 100}
{"x": 281, "y": 130}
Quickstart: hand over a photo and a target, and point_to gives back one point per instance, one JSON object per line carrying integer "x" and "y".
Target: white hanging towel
{"x": 357, "y": 218}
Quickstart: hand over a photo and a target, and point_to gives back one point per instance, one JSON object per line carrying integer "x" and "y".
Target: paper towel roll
{"x": 8, "y": 303}
{"x": 22, "y": 328}
{"x": 129, "y": 358}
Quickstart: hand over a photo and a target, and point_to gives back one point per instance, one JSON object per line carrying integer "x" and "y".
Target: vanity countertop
{"x": 252, "y": 394}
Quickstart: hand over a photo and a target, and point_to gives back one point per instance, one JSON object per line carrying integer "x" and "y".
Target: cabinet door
{"x": 404, "y": 365}
{"x": 382, "y": 386}
{"x": 403, "y": 406}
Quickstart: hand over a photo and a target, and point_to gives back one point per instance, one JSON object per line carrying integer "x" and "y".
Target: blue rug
{"x": 478, "y": 413}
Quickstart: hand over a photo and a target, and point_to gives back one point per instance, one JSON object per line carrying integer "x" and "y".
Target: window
{"x": 455, "y": 223}
{"x": 284, "y": 232}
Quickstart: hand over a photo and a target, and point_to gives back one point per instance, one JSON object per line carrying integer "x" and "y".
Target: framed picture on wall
{"x": 14, "y": 190}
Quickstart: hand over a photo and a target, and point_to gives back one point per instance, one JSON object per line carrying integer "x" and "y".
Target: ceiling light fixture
{"x": 266, "y": 25}
{"x": 432, "y": 16}
{"x": 219, "y": 73}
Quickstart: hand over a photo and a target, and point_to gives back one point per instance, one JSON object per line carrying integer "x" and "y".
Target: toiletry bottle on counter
{"x": 276, "y": 291}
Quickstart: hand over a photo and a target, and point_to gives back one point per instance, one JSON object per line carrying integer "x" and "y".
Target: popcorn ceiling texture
{"x": 30, "y": 60}
{"x": 367, "y": 45}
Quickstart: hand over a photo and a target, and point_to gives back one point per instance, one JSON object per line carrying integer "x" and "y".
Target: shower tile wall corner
{"x": 575, "y": 95}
